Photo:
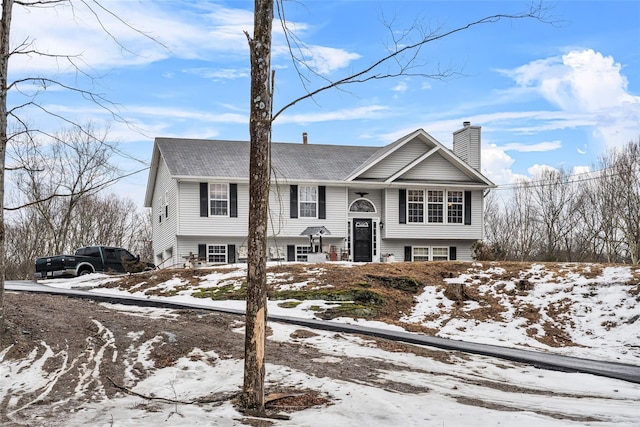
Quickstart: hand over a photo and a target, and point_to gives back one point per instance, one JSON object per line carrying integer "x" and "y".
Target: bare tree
{"x": 621, "y": 181}
{"x": 498, "y": 230}
{"x": 58, "y": 174}
{"x": 553, "y": 204}
{"x": 102, "y": 218}
{"x": 34, "y": 86}
{"x": 402, "y": 60}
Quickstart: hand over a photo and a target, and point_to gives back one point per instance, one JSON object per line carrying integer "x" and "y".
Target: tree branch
{"x": 537, "y": 11}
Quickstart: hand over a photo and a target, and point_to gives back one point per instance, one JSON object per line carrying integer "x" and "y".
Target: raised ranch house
{"x": 412, "y": 200}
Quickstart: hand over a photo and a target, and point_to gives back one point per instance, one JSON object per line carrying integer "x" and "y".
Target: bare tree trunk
{"x": 259, "y": 182}
{"x": 5, "y": 26}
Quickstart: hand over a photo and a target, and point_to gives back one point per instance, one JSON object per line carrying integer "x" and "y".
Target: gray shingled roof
{"x": 230, "y": 159}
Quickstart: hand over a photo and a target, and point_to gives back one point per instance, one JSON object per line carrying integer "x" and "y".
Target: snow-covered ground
{"x": 473, "y": 391}
{"x": 595, "y": 308}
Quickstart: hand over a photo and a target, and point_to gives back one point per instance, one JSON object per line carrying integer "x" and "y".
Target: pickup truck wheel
{"x": 84, "y": 272}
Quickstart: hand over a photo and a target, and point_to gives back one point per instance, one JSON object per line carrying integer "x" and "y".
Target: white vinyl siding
{"x": 437, "y": 248}
{"x": 281, "y": 225}
{"x": 397, "y": 160}
{"x": 164, "y": 201}
{"x": 192, "y": 224}
{"x": 437, "y": 168}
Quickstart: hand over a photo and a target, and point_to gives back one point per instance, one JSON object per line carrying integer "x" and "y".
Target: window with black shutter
{"x": 231, "y": 254}
{"x": 293, "y": 201}
{"x": 467, "y": 208}
{"x": 402, "y": 205}
{"x": 204, "y": 199}
{"x": 322, "y": 202}
{"x": 233, "y": 200}
{"x": 407, "y": 253}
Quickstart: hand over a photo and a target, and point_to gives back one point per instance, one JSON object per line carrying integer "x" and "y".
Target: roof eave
{"x": 153, "y": 173}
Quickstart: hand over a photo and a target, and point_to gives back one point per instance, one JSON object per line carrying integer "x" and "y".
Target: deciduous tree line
{"x": 559, "y": 216}
{"x": 62, "y": 188}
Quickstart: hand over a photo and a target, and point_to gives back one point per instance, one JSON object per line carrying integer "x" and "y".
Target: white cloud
{"x": 496, "y": 165}
{"x": 539, "y": 170}
{"x": 219, "y": 73}
{"x": 579, "y": 170}
{"x": 588, "y": 85}
{"x": 401, "y": 87}
{"x": 165, "y": 29}
{"x": 368, "y": 112}
{"x": 528, "y": 148}
{"x": 325, "y": 60}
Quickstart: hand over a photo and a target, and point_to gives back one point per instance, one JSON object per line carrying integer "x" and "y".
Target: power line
{"x": 588, "y": 176}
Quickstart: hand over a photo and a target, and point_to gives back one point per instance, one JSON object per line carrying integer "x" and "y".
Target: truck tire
{"x": 84, "y": 270}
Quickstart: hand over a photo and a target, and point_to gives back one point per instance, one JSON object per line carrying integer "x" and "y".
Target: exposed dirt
{"x": 74, "y": 329}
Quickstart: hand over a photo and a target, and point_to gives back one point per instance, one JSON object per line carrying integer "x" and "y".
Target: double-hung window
{"x": 429, "y": 253}
{"x": 435, "y": 206}
{"x": 420, "y": 253}
{"x": 302, "y": 252}
{"x": 439, "y": 254}
{"x": 218, "y": 199}
{"x": 415, "y": 204}
{"x": 454, "y": 207}
{"x": 308, "y": 202}
{"x": 217, "y": 254}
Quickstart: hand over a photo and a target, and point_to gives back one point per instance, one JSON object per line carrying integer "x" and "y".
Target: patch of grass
{"x": 289, "y": 304}
{"x": 224, "y": 292}
{"x": 361, "y": 296}
{"x": 349, "y": 310}
{"x": 402, "y": 283}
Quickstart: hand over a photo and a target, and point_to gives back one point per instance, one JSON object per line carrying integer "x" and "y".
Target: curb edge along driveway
{"x": 614, "y": 370}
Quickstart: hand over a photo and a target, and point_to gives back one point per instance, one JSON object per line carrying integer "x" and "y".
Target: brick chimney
{"x": 305, "y": 140}
{"x": 466, "y": 144}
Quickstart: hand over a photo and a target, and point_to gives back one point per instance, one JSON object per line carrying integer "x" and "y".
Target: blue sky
{"x": 545, "y": 95}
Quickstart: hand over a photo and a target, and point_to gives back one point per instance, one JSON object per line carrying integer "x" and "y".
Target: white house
{"x": 412, "y": 200}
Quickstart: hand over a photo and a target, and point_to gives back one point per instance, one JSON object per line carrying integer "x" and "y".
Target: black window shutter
{"x": 233, "y": 200}
{"x": 467, "y": 208}
{"x": 231, "y": 254}
{"x": 453, "y": 253}
{"x": 291, "y": 253}
{"x": 402, "y": 206}
{"x": 293, "y": 201}
{"x": 166, "y": 211}
{"x": 202, "y": 251}
{"x": 322, "y": 202}
{"x": 407, "y": 253}
{"x": 204, "y": 199}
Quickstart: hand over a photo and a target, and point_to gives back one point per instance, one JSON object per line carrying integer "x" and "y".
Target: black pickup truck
{"x": 89, "y": 260}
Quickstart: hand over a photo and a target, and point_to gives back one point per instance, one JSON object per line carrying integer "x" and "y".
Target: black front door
{"x": 362, "y": 236}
